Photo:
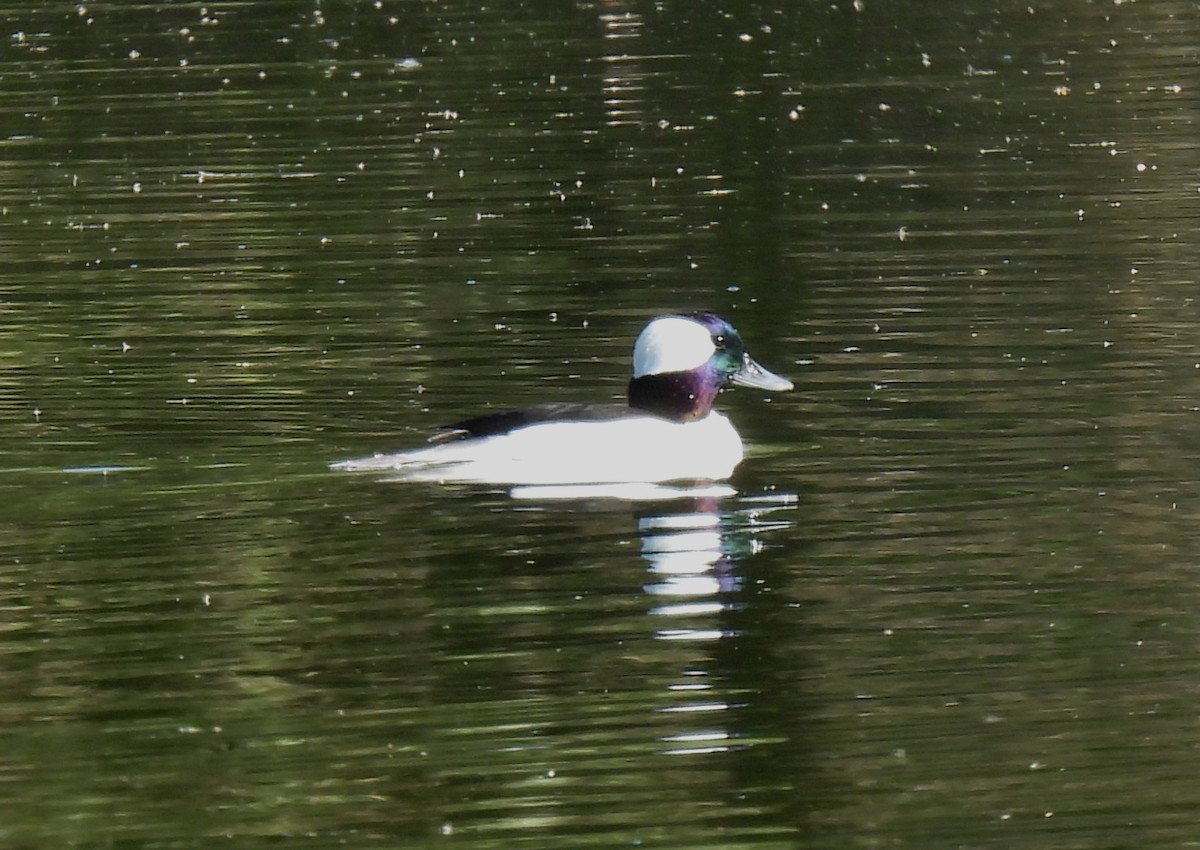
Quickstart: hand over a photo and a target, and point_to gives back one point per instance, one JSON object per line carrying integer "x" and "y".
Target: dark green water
{"x": 954, "y": 604}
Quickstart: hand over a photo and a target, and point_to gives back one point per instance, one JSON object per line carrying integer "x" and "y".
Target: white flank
{"x": 634, "y": 449}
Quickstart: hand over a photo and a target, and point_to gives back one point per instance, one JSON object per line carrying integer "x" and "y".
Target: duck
{"x": 667, "y": 432}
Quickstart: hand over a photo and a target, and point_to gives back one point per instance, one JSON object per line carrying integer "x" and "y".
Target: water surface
{"x": 952, "y": 602}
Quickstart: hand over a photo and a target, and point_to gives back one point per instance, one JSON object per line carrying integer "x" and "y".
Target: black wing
{"x": 490, "y": 424}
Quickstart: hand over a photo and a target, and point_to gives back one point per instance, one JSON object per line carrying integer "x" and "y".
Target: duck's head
{"x": 680, "y": 363}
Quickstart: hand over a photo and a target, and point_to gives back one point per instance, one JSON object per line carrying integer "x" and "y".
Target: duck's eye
{"x": 719, "y": 341}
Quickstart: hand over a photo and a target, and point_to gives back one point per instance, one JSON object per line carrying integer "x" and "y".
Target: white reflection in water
{"x": 693, "y": 555}
{"x": 634, "y": 491}
{"x": 690, "y": 634}
{"x": 623, "y": 89}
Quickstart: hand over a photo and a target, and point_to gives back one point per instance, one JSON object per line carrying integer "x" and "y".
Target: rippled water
{"x": 952, "y": 603}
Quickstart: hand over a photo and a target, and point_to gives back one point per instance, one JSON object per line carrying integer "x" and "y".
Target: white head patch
{"x": 671, "y": 344}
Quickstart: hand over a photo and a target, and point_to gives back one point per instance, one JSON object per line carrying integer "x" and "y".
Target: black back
{"x": 491, "y": 424}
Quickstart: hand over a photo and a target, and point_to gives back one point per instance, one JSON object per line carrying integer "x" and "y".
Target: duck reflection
{"x": 686, "y": 555}
{"x": 693, "y": 554}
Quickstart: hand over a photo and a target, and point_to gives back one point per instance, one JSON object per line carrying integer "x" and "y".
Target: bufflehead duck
{"x": 668, "y": 431}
